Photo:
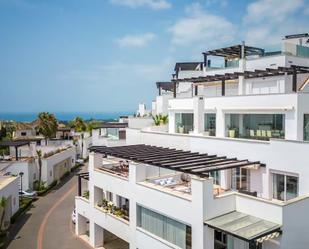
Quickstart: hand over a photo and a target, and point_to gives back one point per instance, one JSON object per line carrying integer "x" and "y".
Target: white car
{"x": 28, "y": 193}
{"x": 73, "y": 216}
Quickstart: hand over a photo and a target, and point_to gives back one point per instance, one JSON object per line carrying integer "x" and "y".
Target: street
{"x": 48, "y": 224}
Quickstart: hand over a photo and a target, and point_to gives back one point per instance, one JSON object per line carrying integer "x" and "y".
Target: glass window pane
{"x": 291, "y": 187}
{"x": 278, "y": 187}
{"x": 210, "y": 124}
{"x": 306, "y": 127}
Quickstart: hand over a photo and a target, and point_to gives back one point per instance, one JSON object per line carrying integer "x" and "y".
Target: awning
{"x": 245, "y": 227}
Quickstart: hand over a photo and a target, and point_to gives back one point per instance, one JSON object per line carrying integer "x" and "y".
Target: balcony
{"x": 115, "y": 167}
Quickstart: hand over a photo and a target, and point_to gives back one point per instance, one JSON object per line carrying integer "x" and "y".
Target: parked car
{"x": 28, "y": 193}
{"x": 80, "y": 161}
{"x": 73, "y": 216}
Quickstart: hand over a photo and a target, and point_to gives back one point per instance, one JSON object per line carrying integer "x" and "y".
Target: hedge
{"x": 25, "y": 204}
{"x": 44, "y": 191}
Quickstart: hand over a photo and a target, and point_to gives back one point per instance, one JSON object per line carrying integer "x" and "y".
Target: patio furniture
{"x": 268, "y": 133}
{"x": 263, "y": 133}
{"x": 258, "y": 133}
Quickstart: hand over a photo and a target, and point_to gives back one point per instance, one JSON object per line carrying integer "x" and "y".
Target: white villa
{"x": 230, "y": 171}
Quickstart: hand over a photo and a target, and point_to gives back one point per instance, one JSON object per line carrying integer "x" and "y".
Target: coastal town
{"x": 154, "y": 124}
{"x": 218, "y": 160}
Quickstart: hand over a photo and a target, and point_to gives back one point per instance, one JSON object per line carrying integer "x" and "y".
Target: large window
{"x": 184, "y": 122}
{"x": 255, "y": 126}
{"x": 285, "y": 187}
{"x": 241, "y": 179}
{"x": 210, "y": 124}
{"x": 166, "y": 228}
{"x": 306, "y": 127}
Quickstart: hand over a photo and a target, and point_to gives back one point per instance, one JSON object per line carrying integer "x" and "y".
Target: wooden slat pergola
{"x": 293, "y": 70}
{"x": 15, "y": 144}
{"x": 200, "y": 164}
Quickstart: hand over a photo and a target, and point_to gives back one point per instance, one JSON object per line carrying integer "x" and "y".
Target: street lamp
{"x": 21, "y": 181}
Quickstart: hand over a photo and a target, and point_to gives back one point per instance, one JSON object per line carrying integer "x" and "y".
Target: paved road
{"x": 48, "y": 224}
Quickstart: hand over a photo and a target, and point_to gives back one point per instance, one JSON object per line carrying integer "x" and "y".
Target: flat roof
{"x": 200, "y": 164}
{"x": 244, "y": 226}
{"x": 6, "y": 180}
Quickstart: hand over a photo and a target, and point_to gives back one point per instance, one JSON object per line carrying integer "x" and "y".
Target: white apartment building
{"x": 229, "y": 172}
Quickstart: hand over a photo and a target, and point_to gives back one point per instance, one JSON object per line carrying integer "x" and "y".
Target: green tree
{"x": 3, "y": 202}
{"x": 47, "y": 125}
{"x": 78, "y": 124}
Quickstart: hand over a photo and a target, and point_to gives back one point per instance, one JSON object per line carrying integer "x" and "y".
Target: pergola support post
{"x": 16, "y": 153}
{"x": 79, "y": 186}
{"x": 294, "y": 80}
{"x": 174, "y": 89}
{"x": 223, "y": 88}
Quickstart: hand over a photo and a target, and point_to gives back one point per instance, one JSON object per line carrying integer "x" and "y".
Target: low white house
{"x": 9, "y": 189}
{"x": 56, "y": 161}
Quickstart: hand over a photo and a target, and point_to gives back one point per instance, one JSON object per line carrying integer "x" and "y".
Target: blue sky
{"x": 106, "y": 55}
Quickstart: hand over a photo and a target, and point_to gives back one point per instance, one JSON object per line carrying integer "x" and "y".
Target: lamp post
{"x": 21, "y": 183}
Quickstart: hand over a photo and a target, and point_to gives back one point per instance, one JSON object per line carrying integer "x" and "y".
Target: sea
{"x": 64, "y": 116}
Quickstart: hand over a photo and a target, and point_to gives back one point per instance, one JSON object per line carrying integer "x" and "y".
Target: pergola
{"x": 165, "y": 85}
{"x": 268, "y": 72}
{"x": 199, "y": 164}
{"x": 112, "y": 125}
{"x": 15, "y": 144}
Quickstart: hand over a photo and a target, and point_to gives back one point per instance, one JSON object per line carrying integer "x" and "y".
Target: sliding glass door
{"x": 285, "y": 187}
{"x": 241, "y": 179}
{"x": 184, "y": 122}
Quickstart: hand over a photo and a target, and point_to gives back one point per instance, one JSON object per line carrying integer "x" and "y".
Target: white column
{"x": 291, "y": 128}
{"x": 96, "y": 234}
{"x": 171, "y": 122}
{"x": 201, "y": 190}
{"x": 81, "y": 225}
{"x": 220, "y": 123}
{"x": 198, "y": 109}
{"x": 241, "y": 85}
{"x": 225, "y": 179}
{"x": 95, "y": 160}
{"x": 98, "y": 195}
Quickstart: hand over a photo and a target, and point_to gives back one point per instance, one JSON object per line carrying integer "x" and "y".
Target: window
{"x": 241, "y": 179}
{"x": 306, "y": 127}
{"x": 285, "y": 187}
{"x": 166, "y": 228}
{"x": 50, "y": 173}
{"x": 216, "y": 176}
{"x": 109, "y": 196}
{"x": 255, "y": 126}
{"x": 23, "y": 133}
{"x": 34, "y": 176}
{"x": 210, "y": 124}
{"x": 184, "y": 122}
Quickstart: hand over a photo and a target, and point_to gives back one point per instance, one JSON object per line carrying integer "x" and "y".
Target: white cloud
{"x": 272, "y": 10}
{"x": 140, "y": 40}
{"x": 200, "y": 27}
{"x": 153, "y": 4}
{"x": 267, "y": 21}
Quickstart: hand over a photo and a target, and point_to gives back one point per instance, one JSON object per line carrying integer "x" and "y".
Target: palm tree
{"x": 3, "y": 202}
{"x": 156, "y": 119}
{"x": 47, "y": 125}
{"x": 39, "y": 153}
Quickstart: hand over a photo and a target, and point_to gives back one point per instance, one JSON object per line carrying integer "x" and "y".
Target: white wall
{"x": 139, "y": 122}
{"x": 10, "y": 188}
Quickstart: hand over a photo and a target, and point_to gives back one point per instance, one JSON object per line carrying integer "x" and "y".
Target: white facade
{"x": 261, "y": 119}
{"x": 9, "y": 189}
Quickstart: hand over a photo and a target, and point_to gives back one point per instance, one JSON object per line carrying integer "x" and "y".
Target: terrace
{"x": 115, "y": 166}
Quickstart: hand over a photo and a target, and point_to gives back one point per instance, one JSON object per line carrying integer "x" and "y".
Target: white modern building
{"x": 231, "y": 170}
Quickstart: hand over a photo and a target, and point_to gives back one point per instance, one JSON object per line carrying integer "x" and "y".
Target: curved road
{"x": 48, "y": 224}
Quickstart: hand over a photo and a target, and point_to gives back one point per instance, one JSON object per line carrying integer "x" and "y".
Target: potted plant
{"x": 180, "y": 128}
{"x": 232, "y": 131}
